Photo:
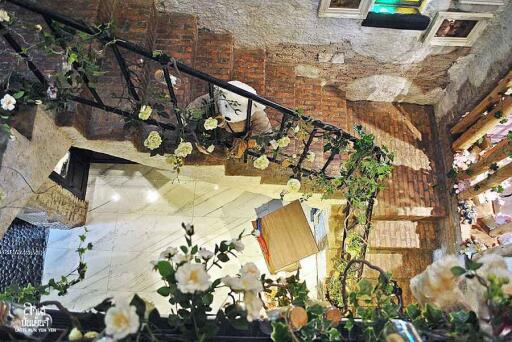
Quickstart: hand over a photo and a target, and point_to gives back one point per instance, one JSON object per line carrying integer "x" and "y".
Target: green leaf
{"x": 365, "y": 287}
{"x": 280, "y": 332}
{"x": 458, "y": 271}
{"x": 223, "y": 257}
{"x": 413, "y": 311}
{"x": 433, "y": 314}
{"x": 165, "y": 268}
{"x": 18, "y": 94}
{"x": 139, "y": 304}
{"x": 164, "y": 291}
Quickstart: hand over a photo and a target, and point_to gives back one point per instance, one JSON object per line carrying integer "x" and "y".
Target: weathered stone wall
{"x": 26, "y": 164}
{"x": 51, "y": 204}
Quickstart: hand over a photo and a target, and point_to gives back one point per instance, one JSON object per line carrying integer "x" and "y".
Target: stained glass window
{"x": 397, "y": 6}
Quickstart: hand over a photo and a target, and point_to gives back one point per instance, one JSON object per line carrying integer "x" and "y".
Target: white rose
{"x": 183, "y": 149}
{"x": 310, "y": 156}
{"x": 4, "y": 16}
{"x": 205, "y": 253}
{"x": 38, "y": 27}
{"x": 293, "y": 185}
{"x": 261, "y": 162}
{"x": 169, "y": 253}
{"x": 283, "y": 142}
{"x": 121, "y": 320}
{"x": 210, "y": 124}
{"x": 8, "y": 102}
{"x": 192, "y": 277}
{"x": 105, "y": 339}
{"x": 38, "y": 102}
{"x": 153, "y": 141}
{"x": 75, "y": 335}
{"x": 274, "y": 144}
{"x": 253, "y": 305}
{"x": 210, "y": 148}
{"x": 145, "y": 112}
{"x": 251, "y": 269}
{"x": 237, "y": 245}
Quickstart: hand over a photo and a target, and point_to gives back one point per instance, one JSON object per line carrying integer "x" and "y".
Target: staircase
{"x": 406, "y": 213}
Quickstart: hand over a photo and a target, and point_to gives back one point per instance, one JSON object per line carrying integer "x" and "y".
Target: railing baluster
{"x": 82, "y": 74}
{"x": 16, "y": 47}
{"x": 248, "y": 118}
{"x": 306, "y": 148}
{"x": 174, "y": 99}
{"x": 125, "y": 72}
{"x": 331, "y": 157}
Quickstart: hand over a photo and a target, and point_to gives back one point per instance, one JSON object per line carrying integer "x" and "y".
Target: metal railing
{"x": 165, "y": 61}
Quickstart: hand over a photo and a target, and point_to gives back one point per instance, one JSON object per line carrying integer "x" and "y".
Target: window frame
{"x": 326, "y": 11}
{"x": 430, "y": 34}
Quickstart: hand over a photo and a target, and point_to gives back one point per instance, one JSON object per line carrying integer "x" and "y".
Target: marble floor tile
{"x": 59, "y": 262}
{"x": 132, "y": 271}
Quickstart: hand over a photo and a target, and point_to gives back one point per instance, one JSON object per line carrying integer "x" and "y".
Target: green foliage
{"x": 32, "y": 294}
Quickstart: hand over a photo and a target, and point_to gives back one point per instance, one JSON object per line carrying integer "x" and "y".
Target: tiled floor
{"x": 135, "y": 213}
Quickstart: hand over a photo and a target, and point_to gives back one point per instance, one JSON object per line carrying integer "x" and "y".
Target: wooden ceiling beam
{"x": 493, "y": 155}
{"x": 493, "y": 180}
{"x": 490, "y": 99}
{"x": 484, "y": 125}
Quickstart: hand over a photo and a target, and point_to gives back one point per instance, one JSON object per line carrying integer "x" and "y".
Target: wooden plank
{"x": 495, "y": 179}
{"x": 498, "y": 152}
{"x": 493, "y": 97}
{"x": 483, "y": 125}
{"x": 288, "y": 236}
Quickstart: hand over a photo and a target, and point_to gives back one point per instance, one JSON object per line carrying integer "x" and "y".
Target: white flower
{"x": 210, "y": 148}
{"x": 38, "y": 102}
{"x": 274, "y": 144}
{"x": 38, "y": 27}
{"x": 246, "y": 283}
{"x": 261, "y": 162}
{"x": 153, "y": 141}
{"x": 169, "y": 253}
{"x": 210, "y": 124}
{"x": 121, "y": 320}
{"x": 437, "y": 285}
{"x": 183, "y": 149}
{"x": 253, "y": 305}
{"x": 205, "y": 253}
{"x": 283, "y": 142}
{"x": 293, "y": 185}
{"x": 251, "y": 269}
{"x": 180, "y": 258}
{"x": 8, "y": 102}
{"x": 192, "y": 277}
{"x": 237, "y": 245}
{"x": 75, "y": 335}
{"x": 310, "y": 156}
{"x": 502, "y": 219}
{"x": 145, "y": 112}
{"x": 4, "y": 16}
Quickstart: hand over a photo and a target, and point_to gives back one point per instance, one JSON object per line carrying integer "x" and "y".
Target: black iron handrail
{"x": 164, "y": 59}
